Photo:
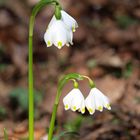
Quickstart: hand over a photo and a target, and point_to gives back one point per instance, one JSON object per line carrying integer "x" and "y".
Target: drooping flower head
{"x": 60, "y": 31}
{"x": 74, "y": 100}
{"x": 96, "y": 100}
{"x": 58, "y": 35}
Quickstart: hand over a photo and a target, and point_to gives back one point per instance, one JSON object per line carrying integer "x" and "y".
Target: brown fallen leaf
{"x": 112, "y": 87}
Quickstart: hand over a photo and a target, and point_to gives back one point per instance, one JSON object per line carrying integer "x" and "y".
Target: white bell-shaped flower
{"x": 69, "y": 21}
{"x": 58, "y": 34}
{"x": 74, "y": 100}
{"x": 96, "y": 100}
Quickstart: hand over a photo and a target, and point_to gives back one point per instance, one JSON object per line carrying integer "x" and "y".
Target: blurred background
{"x": 106, "y": 48}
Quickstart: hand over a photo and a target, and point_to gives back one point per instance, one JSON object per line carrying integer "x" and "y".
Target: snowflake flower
{"x": 60, "y": 32}
{"x": 96, "y": 100}
{"x": 74, "y": 100}
{"x": 58, "y": 35}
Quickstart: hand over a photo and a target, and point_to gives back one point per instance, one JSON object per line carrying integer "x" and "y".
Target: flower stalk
{"x": 91, "y": 83}
{"x": 35, "y": 10}
{"x": 61, "y": 84}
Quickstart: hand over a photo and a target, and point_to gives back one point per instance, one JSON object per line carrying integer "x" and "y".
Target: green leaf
{"x": 19, "y": 97}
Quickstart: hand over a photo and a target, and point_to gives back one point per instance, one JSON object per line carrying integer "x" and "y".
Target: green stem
{"x": 35, "y": 10}
{"x": 91, "y": 82}
{"x": 61, "y": 84}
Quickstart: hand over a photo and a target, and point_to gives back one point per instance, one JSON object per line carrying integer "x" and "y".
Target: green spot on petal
{"x": 48, "y": 43}
{"x": 100, "y": 108}
{"x": 73, "y": 29}
{"x": 74, "y": 108}
{"x": 59, "y": 44}
{"x": 108, "y": 106}
{"x": 66, "y": 107}
{"x": 90, "y": 110}
{"x": 83, "y": 110}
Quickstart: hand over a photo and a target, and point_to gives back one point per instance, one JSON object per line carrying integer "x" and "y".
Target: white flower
{"x": 69, "y": 21}
{"x": 74, "y": 100}
{"x": 60, "y": 32}
{"x": 96, "y": 100}
{"x": 58, "y": 35}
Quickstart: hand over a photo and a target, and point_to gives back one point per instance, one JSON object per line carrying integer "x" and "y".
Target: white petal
{"x": 82, "y": 108}
{"x": 67, "y": 103}
{"x": 106, "y": 103}
{"x": 48, "y": 38}
{"x": 77, "y": 100}
{"x": 90, "y": 103}
{"x": 70, "y": 37}
{"x": 67, "y": 100}
{"x": 69, "y": 20}
{"x": 98, "y": 102}
{"x": 59, "y": 33}
{"x": 52, "y": 21}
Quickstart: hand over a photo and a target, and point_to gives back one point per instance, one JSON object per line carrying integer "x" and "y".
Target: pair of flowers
{"x": 96, "y": 100}
{"x": 60, "y": 31}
